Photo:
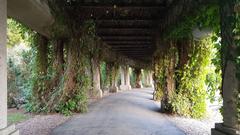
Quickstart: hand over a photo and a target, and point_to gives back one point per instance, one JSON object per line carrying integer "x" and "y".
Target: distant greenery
{"x": 103, "y": 72}
{"x": 17, "y": 33}
{"x": 132, "y": 78}
{"x": 19, "y": 61}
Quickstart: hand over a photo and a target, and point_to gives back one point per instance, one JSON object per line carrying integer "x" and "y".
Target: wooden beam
{"x": 111, "y": 30}
{"x": 128, "y": 42}
{"x": 127, "y": 38}
{"x": 125, "y": 23}
{"x": 130, "y": 46}
{"x": 109, "y": 12}
{"x": 145, "y": 21}
{"x": 124, "y": 34}
{"x": 121, "y": 7}
{"x": 145, "y": 3}
{"x": 133, "y": 49}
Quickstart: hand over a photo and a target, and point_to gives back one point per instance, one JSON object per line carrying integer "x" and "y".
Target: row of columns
{"x": 125, "y": 78}
{"x": 148, "y": 78}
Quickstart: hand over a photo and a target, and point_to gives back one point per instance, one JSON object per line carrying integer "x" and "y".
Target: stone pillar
{"x": 125, "y": 78}
{"x": 4, "y": 129}
{"x": 97, "y": 92}
{"x": 149, "y": 79}
{"x": 114, "y": 75}
{"x": 3, "y": 64}
{"x": 122, "y": 76}
{"x": 138, "y": 73}
{"x": 231, "y": 83}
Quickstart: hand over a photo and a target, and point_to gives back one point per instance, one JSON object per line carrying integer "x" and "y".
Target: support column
{"x": 231, "y": 83}
{"x": 59, "y": 56}
{"x": 151, "y": 79}
{"x": 3, "y": 64}
{"x": 97, "y": 92}
{"x": 40, "y": 91}
{"x": 114, "y": 87}
{"x": 113, "y": 77}
{"x": 122, "y": 77}
{"x": 125, "y": 78}
{"x": 4, "y": 129}
{"x": 138, "y": 73}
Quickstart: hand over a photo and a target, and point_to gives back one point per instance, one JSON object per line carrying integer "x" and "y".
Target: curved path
{"x": 125, "y": 113}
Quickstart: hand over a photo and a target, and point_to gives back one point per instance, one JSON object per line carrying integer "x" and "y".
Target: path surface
{"x": 125, "y": 113}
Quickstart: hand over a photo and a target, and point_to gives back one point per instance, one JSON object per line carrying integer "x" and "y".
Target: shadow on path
{"x": 125, "y": 113}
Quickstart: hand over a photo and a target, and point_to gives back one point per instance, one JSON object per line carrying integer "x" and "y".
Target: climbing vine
{"x": 159, "y": 76}
{"x": 67, "y": 90}
{"x": 76, "y": 79}
{"x": 190, "y": 96}
{"x": 192, "y": 80}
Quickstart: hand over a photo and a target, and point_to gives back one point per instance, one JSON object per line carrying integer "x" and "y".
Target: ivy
{"x": 190, "y": 96}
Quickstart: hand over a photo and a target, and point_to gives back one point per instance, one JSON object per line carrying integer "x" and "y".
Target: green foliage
{"x": 190, "y": 96}
{"x": 74, "y": 92}
{"x": 19, "y": 61}
{"x": 132, "y": 77}
{"x": 78, "y": 103}
{"x": 205, "y": 17}
{"x": 159, "y": 75}
{"x": 17, "y": 33}
{"x": 16, "y": 117}
{"x": 103, "y": 74}
{"x": 14, "y": 33}
{"x": 199, "y": 78}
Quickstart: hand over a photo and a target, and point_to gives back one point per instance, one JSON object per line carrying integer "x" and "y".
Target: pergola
{"x": 129, "y": 31}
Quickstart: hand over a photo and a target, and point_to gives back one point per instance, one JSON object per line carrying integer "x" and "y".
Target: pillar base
{"x": 113, "y": 89}
{"x": 125, "y": 87}
{"x": 152, "y": 86}
{"x": 10, "y": 130}
{"x": 220, "y": 129}
{"x": 97, "y": 93}
{"x": 139, "y": 86}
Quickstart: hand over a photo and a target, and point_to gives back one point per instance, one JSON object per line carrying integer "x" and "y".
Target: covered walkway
{"x": 159, "y": 36}
{"x": 126, "y": 113}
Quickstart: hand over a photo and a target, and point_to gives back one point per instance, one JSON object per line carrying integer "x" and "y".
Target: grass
{"x": 17, "y": 117}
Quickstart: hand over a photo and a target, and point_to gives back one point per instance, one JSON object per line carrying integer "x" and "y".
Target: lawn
{"x": 17, "y": 116}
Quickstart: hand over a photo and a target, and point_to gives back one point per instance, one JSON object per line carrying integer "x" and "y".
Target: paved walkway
{"x": 125, "y": 113}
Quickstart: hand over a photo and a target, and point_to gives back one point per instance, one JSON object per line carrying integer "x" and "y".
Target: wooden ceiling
{"x": 130, "y": 27}
{"x": 127, "y": 26}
